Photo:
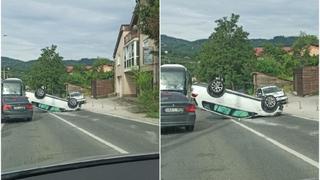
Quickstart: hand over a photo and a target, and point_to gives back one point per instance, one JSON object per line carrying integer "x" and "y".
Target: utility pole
{"x": 4, "y": 69}
{"x": 4, "y": 73}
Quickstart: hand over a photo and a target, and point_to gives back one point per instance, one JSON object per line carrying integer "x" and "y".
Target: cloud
{"x": 80, "y": 28}
{"x": 262, "y": 19}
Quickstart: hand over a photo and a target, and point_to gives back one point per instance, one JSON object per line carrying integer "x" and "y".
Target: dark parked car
{"x": 14, "y": 103}
{"x": 177, "y": 110}
{"x": 16, "y": 107}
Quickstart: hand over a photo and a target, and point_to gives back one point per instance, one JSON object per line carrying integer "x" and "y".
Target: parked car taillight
{"x": 29, "y": 106}
{"x": 194, "y": 95}
{"x": 6, "y": 107}
{"x": 190, "y": 108}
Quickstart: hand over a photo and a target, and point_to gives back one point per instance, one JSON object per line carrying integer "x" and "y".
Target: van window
{"x": 172, "y": 80}
{"x": 12, "y": 88}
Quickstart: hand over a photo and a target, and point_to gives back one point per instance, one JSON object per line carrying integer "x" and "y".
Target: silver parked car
{"x": 274, "y": 91}
{"x": 78, "y": 96}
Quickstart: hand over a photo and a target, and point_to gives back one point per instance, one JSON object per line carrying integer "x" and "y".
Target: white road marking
{"x": 313, "y": 133}
{"x": 67, "y": 114}
{"x": 152, "y": 136}
{"x": 289, "y": 150}
{"x": 95, "y": 119}
{"x": 92, "y": 135}
{"x": 133, "y": 126}
{"x": 260, "y": 121}
{"x": 268, "y": 123}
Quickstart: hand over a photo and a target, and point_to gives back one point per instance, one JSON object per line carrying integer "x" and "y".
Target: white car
{"x": 274, "y": 91}
{"x": 78, "y": 96}
{"x": 215, "y": 98}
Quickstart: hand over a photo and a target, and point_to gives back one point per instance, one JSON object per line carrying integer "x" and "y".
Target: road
{"x": 282, "y": 147}
{"x": 53, "y": 138}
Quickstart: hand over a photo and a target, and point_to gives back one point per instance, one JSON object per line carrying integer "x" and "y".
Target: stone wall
{"x": 101, "y": 88}
{"x": 306, "y": 80}
{"x": 73, "y": 88}
{"x": 261, "y": 79}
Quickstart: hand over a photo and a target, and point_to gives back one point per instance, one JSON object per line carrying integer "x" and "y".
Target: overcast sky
{"x": 191, "y": 20}
{"x": 80, "y": 28}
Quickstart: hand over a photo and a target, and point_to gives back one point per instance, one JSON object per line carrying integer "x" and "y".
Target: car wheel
{"x": 269, "y": 104}
{"x": 29, "y": 119}
{"x": 72, "y": 103}
{"x": 40, "y": 93}
{"x": 216, "y": 88}
{"x": 190, "y": 128}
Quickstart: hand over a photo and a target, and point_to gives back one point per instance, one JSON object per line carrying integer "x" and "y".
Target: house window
{"x": 131, "y": 54}
{"x": 147, "y": 52}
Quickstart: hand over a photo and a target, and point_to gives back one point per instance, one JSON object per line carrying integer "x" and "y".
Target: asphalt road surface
{"x": 266, "y": 148}
{"x": 53, "y": 138}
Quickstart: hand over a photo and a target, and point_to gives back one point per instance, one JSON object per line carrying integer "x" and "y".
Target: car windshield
{"x": 75, "y": 94}
{"x": 11, "y": 88}
{"x": 272, "y": 89}
{"x": 172, "y": 80}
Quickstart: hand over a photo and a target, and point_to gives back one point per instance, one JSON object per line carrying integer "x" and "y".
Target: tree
{"x": 97, "y": 70}
{"x": 83, "y": 77}
{"x": 303, "y": 41}
{"x": 229, "y": 53}
{"x": 273, "y": 51}
{"x": 301, "y": 51}
{"x": 148, "y": 13}
{"x": 48, "y": 72}
{"x": 269, "y": 65}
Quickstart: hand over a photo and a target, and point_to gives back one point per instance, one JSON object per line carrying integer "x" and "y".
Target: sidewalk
{"x": 119, "y": 107}
{"x": 307, "y": 107}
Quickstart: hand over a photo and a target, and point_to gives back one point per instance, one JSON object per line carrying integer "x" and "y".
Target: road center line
{"x": 289, "y": 150}
{"x": 92, "y": 135}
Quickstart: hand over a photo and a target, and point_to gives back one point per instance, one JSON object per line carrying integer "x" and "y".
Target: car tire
{"x": 190, "y": 128}
{"x": 269, "y": 104}
{"x": 216, "y": 88}
{"x": 40, "y": 93}
{"x": 72, "y": 103}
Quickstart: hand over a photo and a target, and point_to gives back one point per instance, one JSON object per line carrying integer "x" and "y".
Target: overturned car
{"x": 214, "y": 97}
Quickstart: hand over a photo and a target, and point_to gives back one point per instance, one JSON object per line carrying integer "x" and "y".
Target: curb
{"x": 306, "y": 118}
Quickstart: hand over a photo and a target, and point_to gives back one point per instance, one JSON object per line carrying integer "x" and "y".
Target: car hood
{"x": 79, "y": 163}
{"x": 276, "y": 94}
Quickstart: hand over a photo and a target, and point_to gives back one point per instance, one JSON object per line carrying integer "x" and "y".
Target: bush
{"x": 148, "y": 101}
{"x": 148, "y": 97}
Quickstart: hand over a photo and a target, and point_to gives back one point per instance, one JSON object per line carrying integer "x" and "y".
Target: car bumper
{"x": 283, "y": 100}
{"x": 178, "y": 120}
{"x": 16, "y": 115}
